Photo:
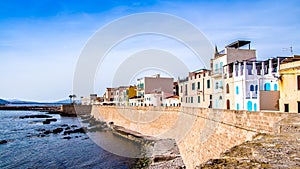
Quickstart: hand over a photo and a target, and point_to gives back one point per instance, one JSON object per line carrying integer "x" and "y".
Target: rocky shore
{"x": 158, "y": 153}
{"x": 280, "y": 150}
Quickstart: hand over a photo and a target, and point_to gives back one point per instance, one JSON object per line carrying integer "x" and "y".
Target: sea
{"x": 26, "y": 147}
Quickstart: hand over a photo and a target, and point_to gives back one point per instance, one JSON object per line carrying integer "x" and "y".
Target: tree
{"x": 71, "y": 96}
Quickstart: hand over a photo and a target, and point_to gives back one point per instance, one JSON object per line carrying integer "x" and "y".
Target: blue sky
{"x": 40, "y": 41}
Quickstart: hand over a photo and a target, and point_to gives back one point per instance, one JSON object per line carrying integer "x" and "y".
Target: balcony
{"x": 217, "y": 73}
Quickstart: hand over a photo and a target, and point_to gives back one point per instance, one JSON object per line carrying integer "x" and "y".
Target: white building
{"x": 171, "y": 101}
{"x": 236, "y": 51}
{"x": 91, "y": 100}
{"x": 196, "y": 90}
{"x": 252, "y": 85}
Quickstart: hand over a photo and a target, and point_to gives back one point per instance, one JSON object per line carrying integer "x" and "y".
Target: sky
{"x": 41, "y": 41}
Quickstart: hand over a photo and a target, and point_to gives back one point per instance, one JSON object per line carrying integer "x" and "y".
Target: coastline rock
{"x": 35, "y": 116}
{"x": 79, "y": 130}
{"x": 48, "y": 121}
{"x": 47, "y": 132}
{"x": 57, "y": 130}
{"x": 67, "y": 137}
{"x": 3, "y": 141}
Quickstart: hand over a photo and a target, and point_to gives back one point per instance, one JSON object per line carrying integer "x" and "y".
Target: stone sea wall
{"x": 200, "y": 133}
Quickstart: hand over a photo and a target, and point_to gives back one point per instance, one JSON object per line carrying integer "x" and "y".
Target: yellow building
{"x": 289, "y": 85}
{"x": 131, "y": 91}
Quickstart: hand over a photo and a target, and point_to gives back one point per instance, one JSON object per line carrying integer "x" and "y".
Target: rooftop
{"x": 238, "y": 44}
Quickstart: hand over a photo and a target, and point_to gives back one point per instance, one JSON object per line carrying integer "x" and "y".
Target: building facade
{"x": 250, "y": 84}
{"x": 151, "y": 85}
{"x": 235, "y": 52}
{"x": 196, "y": 90}
{"x": 289, "y": 85}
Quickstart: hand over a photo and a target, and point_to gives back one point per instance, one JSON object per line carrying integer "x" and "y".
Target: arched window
{"x": 256, "y": 89}
{"x": 249, "y": 106}
{"x": 252, "y": 88}
{"x": 275, "y": 87}
{"x": 227, "y": 88}
{"x": 237, "y": 106}
{"x": 267, "y": 87}
{"x": 236, "y": 90}
{"x": 228, "y": 104}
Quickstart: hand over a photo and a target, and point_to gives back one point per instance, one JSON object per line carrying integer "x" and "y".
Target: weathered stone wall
{"x": 201, "y": 133}
{"x": 71, "y": 109}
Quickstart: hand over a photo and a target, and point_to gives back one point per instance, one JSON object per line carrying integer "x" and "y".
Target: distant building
{"x": 154, "y": 98}
{"x": 196, "y": 90}
{"x": 171, "y": 101}
{"x": 123, "y": 94}
{"x": 91, "y": 100}
{"x": 183, "y": 91}
{"x": 109, "y": 96}
{"x": 149, "y": 85}
{"x": 289, "y": 85}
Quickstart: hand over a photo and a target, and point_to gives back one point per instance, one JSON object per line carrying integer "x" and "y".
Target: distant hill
{"x": 3, "y": 101}
{"x": 66, "y": 101}
{"x": 16, "y": 101}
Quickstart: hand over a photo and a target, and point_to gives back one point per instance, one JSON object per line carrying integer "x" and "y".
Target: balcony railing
{"x": 217, "y": 72}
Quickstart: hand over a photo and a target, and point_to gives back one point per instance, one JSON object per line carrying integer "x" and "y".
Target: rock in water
{"x": 35, "y": 116}
{"x": 3, "y": 142}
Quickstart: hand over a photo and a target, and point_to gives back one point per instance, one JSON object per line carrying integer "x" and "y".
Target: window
{"x": 160, "y": 98}
{"x": 221, "y": 67}
{"x": 236, "y": 90}
{"x": 227, "y": 88}
{"x": 268, "y": 87}
{"x": 252, "y": 88}
{"x": 255, "y": 107}
{"x": 192, "y": 99}
{"x": 193, "y": 86}
{"x": 208, "y": 84}
{"x": 275, "y": 87}
{"x": 180, "y": 89}
{"x": 186, "y": 100}
{"x": 298, "y": 82}
{"x": 286, "y": 107}
{"x": 217, "y": 85}
{"x": 198, "y": 85}
{"x": 249, "y": 106}
{"x": 256, "y": 88}
{"x": 237, "y": 106}
{"x": 216, "y": 67}
{"x": 228, "y": 104}
{"x": 198, "y": 99}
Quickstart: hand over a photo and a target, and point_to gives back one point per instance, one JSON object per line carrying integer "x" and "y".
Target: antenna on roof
{"x": 290, "y": 49}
